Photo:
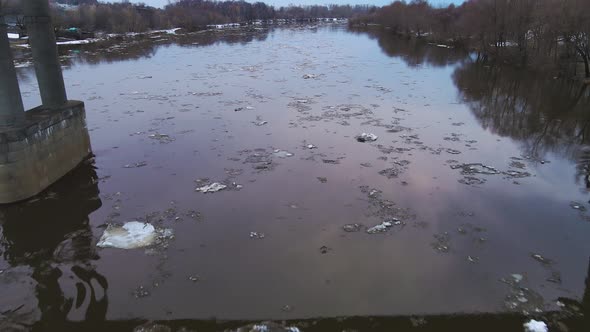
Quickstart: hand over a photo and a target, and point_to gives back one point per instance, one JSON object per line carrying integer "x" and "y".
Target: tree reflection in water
{"x": 542, "y": 114}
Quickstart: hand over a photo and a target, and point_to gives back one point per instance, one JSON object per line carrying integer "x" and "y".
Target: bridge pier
{"x": 11, "y": 104}
{"x": 39, "y": 146}
{"x": 44, "y": 49}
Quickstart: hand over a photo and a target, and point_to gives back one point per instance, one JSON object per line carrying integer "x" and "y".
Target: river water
{"x": 482, "y": 172}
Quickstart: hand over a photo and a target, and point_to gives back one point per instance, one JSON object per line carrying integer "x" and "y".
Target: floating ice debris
{"x": 256, "y": 235}
{"x": 442, "y": 243}
{"x": 366, "y": 137}
{"x": 577, "y": 206}
{"x": 516, "y": 277}
{"x": 351, "y": 228}
{"x": 260, "y": 328}
{"x": 194, "y": 278}
{"x": 541, "y": 259}
{"x": 152, "y": 327}
{"x": 417, "y": 321}
{"x": 555, "y": 277}
{"x": 522, "y": 299}
{"x": 236, "y": 186}
{"x": 308, "y": 76}
{"x": 266, "y": 327}
{"x": 163, "y": 138}
{"x": 475, "y": 168}
{"x": 373, "y": 192}
{"x": 535, "y": 326}
{"x": 261, "y": 123}
{"x": 156, "y": 136}
{"x": 136, "y": 165}
{"x": 471, "y": 180}
{"x": 517, "y": 174}
{"x": 211, "y": 188}
{"x": 390, "y": 173}
{"x": 311, "y": 146}
{"x": 131, "y": 235}
{"x": 472, "y": 259}
{"x": 282, "y": 153}
{"x": 140, "y": 292}
{"x": 382, "y": 227}
{"x": 453, "y": 151}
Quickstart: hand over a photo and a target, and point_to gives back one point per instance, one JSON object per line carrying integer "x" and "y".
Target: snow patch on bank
{"x": 78, "y": 42}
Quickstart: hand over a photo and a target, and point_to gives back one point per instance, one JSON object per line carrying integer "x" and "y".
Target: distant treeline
{"x": 539, "y": 33}
{"x": 123, "y": 16}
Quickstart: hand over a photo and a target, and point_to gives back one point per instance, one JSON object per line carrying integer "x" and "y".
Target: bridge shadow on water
{"x": 51, "y": 238}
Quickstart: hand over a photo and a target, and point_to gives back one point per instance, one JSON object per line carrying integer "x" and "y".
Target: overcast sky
{"x": 278, "y": 3}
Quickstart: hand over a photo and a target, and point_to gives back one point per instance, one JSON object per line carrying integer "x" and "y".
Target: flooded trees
{"x": 577, "y": 31}
{"x": 551, "y": 34}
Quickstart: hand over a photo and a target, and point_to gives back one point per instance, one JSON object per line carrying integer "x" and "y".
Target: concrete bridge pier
{"x": 12, "y": 111}
{"x": 44, "y": 49}
{"x": 41, "y": 145}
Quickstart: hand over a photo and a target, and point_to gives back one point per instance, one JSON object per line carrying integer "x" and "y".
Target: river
{"x": 479, "y": 173}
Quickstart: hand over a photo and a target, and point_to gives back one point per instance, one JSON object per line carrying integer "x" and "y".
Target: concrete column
{"x": 42, "y": 39}
{"x": 12, "y": 111}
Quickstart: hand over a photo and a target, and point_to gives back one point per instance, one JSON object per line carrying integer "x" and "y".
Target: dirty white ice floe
{"x": 131, "y": 235}
{"x": 517, "y": 277}
{"x": 211, "y": 188}
{"x": 382, "y": 227}
{"x": 535, "y": 326}
{"x": 282, "y": 153}
{"x": 366, "y": 137}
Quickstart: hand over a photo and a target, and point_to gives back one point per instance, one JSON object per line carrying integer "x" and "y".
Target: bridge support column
{"x": 12, "y": 111}
{"x": 39, "y": 146}
{"x": 45, "y": 57}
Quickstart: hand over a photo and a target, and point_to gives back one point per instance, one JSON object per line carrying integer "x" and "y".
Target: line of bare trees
{"x": 539, "y": 33}
{"x": 92, "y": 15}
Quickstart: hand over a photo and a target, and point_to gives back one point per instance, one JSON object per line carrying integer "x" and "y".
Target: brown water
{"x": 166, "y": 113}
